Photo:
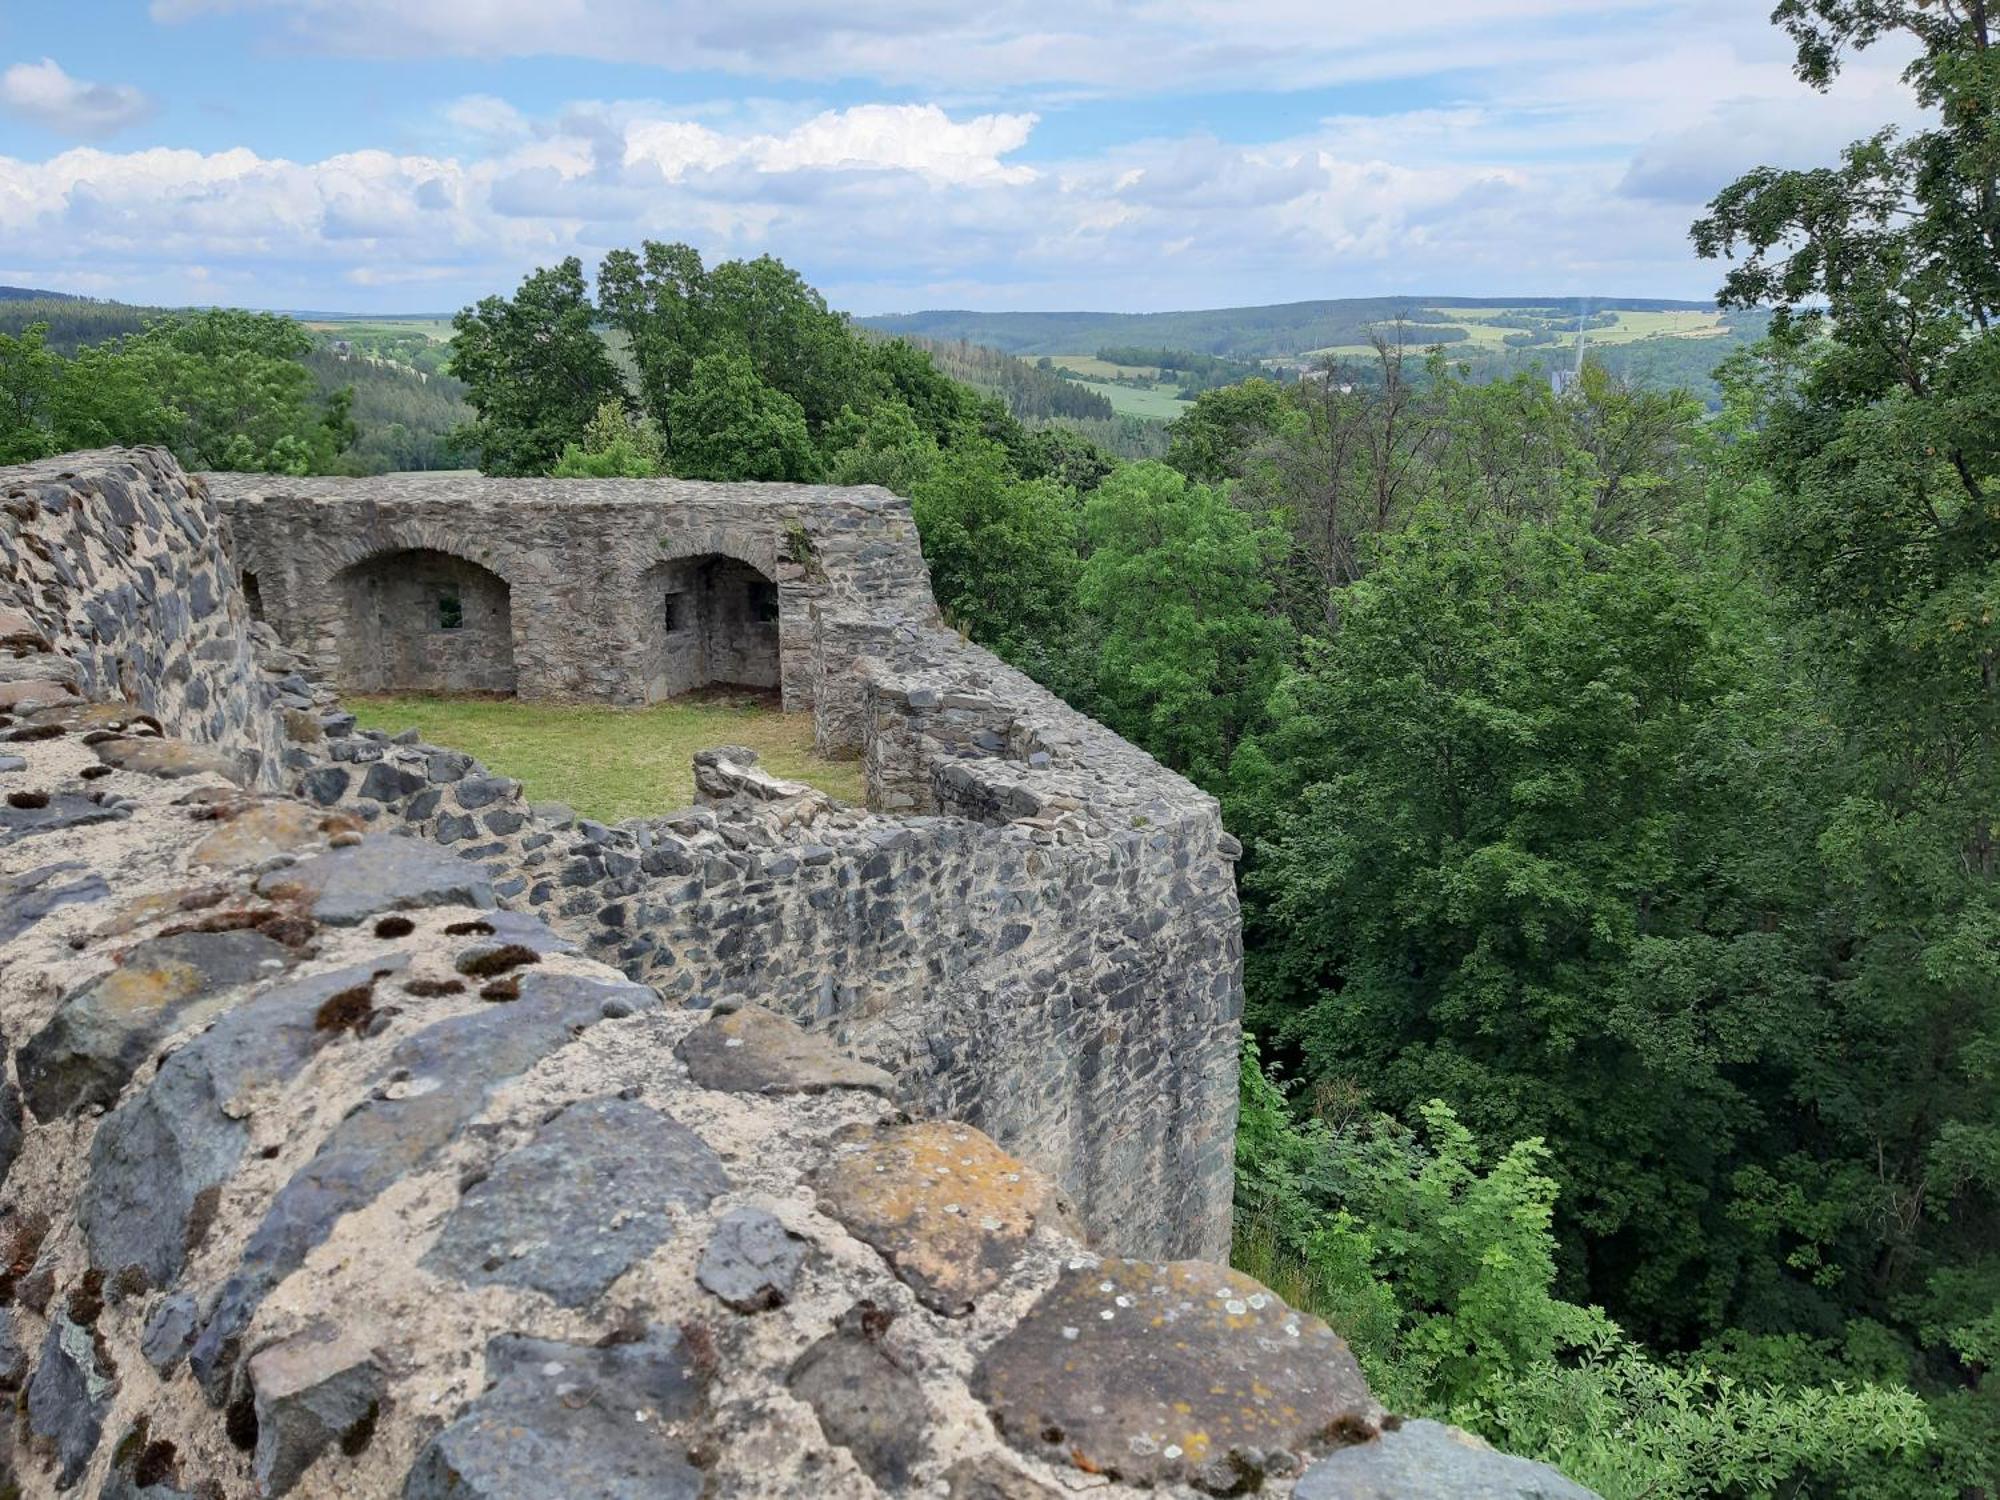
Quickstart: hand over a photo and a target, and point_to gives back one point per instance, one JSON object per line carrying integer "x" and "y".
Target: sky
{"x": 413, "y": 155}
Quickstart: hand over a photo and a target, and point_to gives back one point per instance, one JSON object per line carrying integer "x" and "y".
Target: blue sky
{"x": 410, "y": 155}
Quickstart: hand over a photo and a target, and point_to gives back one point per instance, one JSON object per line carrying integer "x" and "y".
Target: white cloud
{"x": 43, "y": 93}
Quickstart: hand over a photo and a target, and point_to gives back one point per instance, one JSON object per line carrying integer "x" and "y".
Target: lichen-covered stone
{"x": 1430, "y": 1459}
{"x": 1179, "y": 1372}
{"x": 381, "y": 873}
{"x": 172, "y": 759}
{"x": 571, "y": 1211}
{"x": 751, "y": 1050}
{"x": 751, "y": 1261}
{"x": 566, "y": 1419}
{"x": 949, "y": 1209}
{"x": 259, "y": 833}
{"x": 311, "y": 1390}
{"x": 91, "y": 1047}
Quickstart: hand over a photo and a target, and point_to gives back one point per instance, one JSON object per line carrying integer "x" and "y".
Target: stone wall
{"x": 322, "y": 1172}
{"x": 114, "y": 583}
{"x": 586, "y": 565}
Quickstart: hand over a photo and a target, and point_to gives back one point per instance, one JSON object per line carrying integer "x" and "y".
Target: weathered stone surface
{"x": 158, "y": 1156}
{"x": 13, "y": 1354}
{"x": 311, "y": 1390}
{"x": 949, "y": 1209}
{"x": 751, "y": 1261}
{"x": 1430, "y": 1459}
{"x": 68, "y": 1397}
{"x": 59, "y": 811}
{"x": 451, "y": 1066}
{"x": 381, "y": 873}
{"x": 168, "y": 1332}
{"x": 173, "y": 759}
{"x": 1171, "y": 1373}
{"x": 990, "y": 1478}
{"x": 571, "y": 1211}
{"x": 754, "y": 1051}
{"x": 28, "y": 897}
{"x": 563, "y": 1419}
{"x": 259, "y": 833}
{"x": 91, "y": 1047}
{"x": 865, "y": 1401}
{"x": 10, "y": 1127}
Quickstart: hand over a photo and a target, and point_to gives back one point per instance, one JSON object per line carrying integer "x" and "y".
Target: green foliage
{"x": 1189, "y": 645}
{"x": 1439, "y": 1268}
{"x": 887, "y": 447}
{"x": 728, "y": 424}
{"x": 614, "y": 446}
{"x": 223, "y": 389}
{"x": 534, "y": 370}
{"x": 1002, "y": 550}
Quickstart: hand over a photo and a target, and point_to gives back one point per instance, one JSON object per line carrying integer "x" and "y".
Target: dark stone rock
{"x": 504, "y": 821}
{"x": 451, "y": 1066}
{"x": 91, "y": 1047}
{"x": 326, "y": 785}
{"x": 571, "y": 1211}
{"x": 755, "y": 1051}
{"x": 561, "y": 1419}
{"x": 26, "y": 898}
{"x": 168, "y": 1332}
{"x": 477, "y": 791}
{"x": 451, "y": 827}
{"x": 63, "y": 810}
{"x": 69, "y": 1397}
{"x": 387, "y": 783}
{"x": 865, "y": 1402}
{"x": 990, "y": 1478}
{"x": 1430, "y": 1459}
{"x": 311, "y": 1390}
{"x": 447, "y": 765}
{"x": 13, "y": 1357}
{"x": 381, "y": 873}
{"x": 10, "y": 1128}
{"x": 1165, "y": 1374}
{"x": 751, "y": 1261}
{"x": 157, "y": 1157}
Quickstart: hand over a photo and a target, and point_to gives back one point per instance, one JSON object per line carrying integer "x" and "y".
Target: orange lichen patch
{"x": 949, "y": 1209}
{"x": 1175, "y": 1373}
{"x": 144, "y": 988}
{"x": 258, "y": 833}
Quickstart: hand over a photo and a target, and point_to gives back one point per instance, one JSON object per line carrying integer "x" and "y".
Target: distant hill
{"x": 1274, "y": 332}
{"x": 30, "y": 294}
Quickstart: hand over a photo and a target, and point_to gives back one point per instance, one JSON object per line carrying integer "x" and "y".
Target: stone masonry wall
{"x": 324, "y": 1174}
{"x": 587, "y": 564}
{"x": 114, "y": 583}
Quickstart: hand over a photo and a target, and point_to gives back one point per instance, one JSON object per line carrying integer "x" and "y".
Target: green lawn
{"x": 611, "y": 763}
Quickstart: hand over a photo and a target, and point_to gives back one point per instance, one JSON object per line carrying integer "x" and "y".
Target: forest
{"x": 1616, "y": 769}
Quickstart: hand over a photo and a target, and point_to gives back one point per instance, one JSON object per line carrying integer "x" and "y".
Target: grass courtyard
{"x": 612, "y": 763}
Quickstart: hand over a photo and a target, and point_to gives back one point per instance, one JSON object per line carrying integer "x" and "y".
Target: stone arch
{"x": 708, "y": 619}
{"x": 421, "y": 619}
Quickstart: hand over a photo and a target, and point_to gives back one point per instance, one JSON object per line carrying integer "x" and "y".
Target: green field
{"x": 1092, "y": 368}
{"x": 1488, "y": 337}
{"x": 437, "y": 330}
{"x": 611, "y": 763}
{"x": 1159, "y": 403}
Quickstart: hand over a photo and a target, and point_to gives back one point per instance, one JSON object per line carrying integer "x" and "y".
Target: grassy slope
{"x": 1160, "y": 404}
{"x": 611, "y": 763}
